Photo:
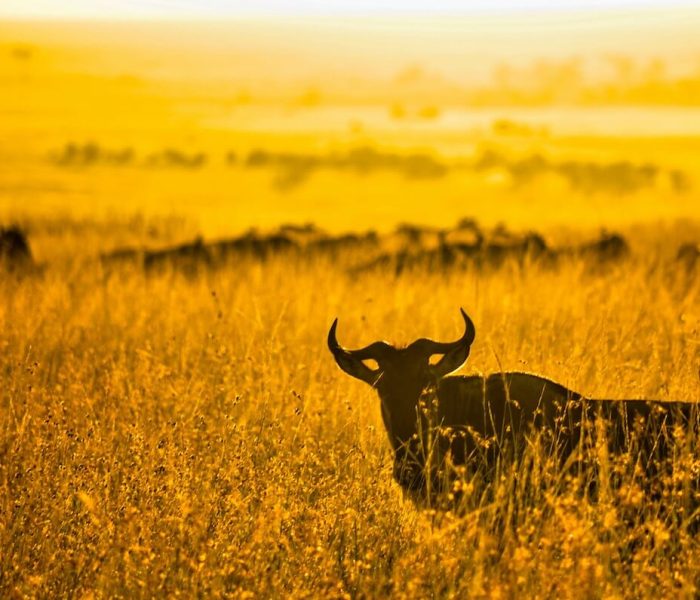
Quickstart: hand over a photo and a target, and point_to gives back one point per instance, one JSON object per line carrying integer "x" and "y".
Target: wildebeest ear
{"x": 351, "y": 360}
{"x": 451, "y": 361}
{"x": 356, "y": 368}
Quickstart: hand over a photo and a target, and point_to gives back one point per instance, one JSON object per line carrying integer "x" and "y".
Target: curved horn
{"x": 456, "y": 353}
{"x": 373, "y": 351}
{"x": 443, "y": 347}
{"x": 350, "y": 361}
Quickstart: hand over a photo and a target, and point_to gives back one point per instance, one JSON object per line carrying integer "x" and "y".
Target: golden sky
{"x": 234, "y": 8}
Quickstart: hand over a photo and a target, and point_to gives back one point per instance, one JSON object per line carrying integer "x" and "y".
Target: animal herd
{"x": 492, "y": 251}
{"x": 408, "y": 247}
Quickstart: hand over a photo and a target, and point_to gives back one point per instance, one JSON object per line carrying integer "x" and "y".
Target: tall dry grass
{"x": 192, "y": 436}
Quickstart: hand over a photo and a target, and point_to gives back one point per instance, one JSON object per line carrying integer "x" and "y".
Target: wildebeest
{"x": 187, "y": 257}
{"x": 450, "y": 254}
{"x": 335, "y": 247}
{"x": 14, "y": 249}
{"x": 433, "y": 420}
{"x": 251, "y": 244}
{"x": 199, "y": 255}
{"x": 609, "y": 247}
{"x": 531, "y": 246}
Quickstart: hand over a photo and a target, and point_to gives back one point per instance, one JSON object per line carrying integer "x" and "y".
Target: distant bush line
{"x": 294, "y": 168}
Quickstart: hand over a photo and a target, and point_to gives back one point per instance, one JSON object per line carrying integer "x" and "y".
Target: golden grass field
{"x": 174, "y": 434}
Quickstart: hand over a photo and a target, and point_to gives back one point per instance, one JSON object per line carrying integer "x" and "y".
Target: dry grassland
{"x": 172, "y": 435}
{"x": 168, "y": 435}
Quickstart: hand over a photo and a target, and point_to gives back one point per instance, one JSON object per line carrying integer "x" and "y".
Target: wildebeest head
{"x": 402, "y": 374}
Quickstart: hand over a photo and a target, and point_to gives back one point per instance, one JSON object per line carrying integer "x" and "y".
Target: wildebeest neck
{"x": 402, "y": 406}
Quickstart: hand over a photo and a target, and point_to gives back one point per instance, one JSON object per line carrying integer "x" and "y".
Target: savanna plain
{"x": 171, "y": 421}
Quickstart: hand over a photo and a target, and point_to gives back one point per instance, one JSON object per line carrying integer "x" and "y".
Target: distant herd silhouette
{"x": 407, "y": 248}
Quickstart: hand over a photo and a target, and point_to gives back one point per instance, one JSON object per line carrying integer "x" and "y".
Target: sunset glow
{"x": 238, "y": 8}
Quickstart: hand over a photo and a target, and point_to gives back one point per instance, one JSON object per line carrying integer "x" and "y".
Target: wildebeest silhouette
{"x": 435, "y": 421}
